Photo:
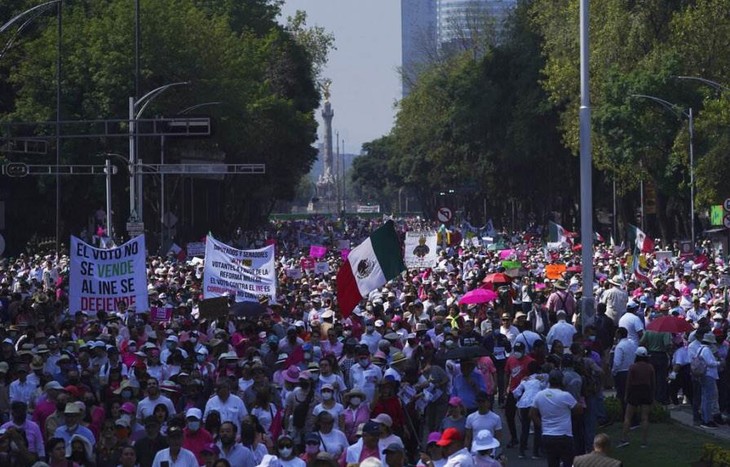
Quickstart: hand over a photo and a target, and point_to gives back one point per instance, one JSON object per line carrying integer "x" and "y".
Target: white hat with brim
{"x": 483, "y": 441}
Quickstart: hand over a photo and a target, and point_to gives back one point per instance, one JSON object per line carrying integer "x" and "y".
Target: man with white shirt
{"x": 371, "y": 338}
{"x": 616, "y": 299}
{"x": 632, "y": 323}
{"x": 229, "y": 406}
{"x": 561, "y": 331}
{"x": 146, "y": 406}
{"x": 623, "y": 357}
{"x": 452, "y": 445}
{"x": 175, "y": 455}
{"x": 507, "y": 329}
{"x": 365, "y": 375}
{"x": 22, "y": 389}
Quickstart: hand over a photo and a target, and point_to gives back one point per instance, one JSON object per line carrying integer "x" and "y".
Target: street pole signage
{"x": 726, "y": 205}
{"x": 444, "y": 215}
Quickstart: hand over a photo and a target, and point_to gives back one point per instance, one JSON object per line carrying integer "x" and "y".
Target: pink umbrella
{"x": 478, "y": 296}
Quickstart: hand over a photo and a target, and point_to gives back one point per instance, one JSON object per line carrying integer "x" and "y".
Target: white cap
{"x": 193, "y": 412}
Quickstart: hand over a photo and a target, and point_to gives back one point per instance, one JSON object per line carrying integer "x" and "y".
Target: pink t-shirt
{"x": 487, "y": 369}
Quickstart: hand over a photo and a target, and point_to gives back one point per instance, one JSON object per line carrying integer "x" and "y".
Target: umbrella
{"x": 670, "y": 324}
{"x": 248, "y": 309}
{"x": 478, "y": 296}
{"x": 576, "y": 268}
{"x": 497, "y": 278}
{"x": 466, "y": 352}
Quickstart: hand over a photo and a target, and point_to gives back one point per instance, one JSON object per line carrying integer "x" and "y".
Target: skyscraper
{"x": 418, "y": 36}
{"x": 429, "y": 27}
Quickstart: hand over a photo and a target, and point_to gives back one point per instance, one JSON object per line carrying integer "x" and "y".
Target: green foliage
{"x": 231, "y": 51}
{"x": 715, "y": 456}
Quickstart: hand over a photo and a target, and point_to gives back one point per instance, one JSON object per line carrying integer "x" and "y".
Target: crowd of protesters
{"x": 411, "y": 376}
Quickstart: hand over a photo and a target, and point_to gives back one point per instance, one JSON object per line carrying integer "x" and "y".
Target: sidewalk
{"x": 683, "y": 414}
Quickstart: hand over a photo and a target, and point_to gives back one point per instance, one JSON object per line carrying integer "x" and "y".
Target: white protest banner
{"x": 245, "y": 274}
{"x": 420, "y": 250}
{"x": 661, "y": 256}
{"x": 102, "y": 279}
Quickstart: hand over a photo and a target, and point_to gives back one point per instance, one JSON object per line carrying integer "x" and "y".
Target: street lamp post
{"x": 135, "y": 197}
{"x": 682, "y": 113}
{"x": 33, "y": 13}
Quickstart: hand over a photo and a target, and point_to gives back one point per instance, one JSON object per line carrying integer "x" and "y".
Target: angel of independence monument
{"x": 327, "y": 182}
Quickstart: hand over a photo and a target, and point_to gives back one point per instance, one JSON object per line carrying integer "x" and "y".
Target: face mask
{"x": 285, "y": 452}
{"x": 364, "y": 362}
{"x": 327, "y": 395}
{"x": 591, "y": 338}
{"x": 717, "y": 325}
{"x": 193, "y": 340}
{"x": 193, "y": 426}
{"x": 200, "y": 358}
{"x": 518, "y": 355}
{"x": 307, "y": 356}
{"x": 347, "y": 333}
{"x": 312, "y": 449}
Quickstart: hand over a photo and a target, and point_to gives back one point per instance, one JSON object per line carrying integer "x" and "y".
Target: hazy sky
{"x": 363, "y": 69}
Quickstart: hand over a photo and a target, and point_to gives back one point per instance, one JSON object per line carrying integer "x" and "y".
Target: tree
{"x": 233, "y": 52}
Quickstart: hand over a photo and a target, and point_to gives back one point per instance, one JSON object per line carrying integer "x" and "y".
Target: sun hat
{"x": 709, "y": 338}
{"x": 617, "y": 281}
{"x": 292, "y": 374}
{"x": 484, "y": 440}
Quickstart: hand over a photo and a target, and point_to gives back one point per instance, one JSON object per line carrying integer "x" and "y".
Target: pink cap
{"x": 128, "y": 407}
{"x": 433, "y": 437}
{"x": 454, "y": 401}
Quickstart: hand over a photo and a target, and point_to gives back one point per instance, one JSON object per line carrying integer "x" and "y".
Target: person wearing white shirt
{"x": 624, "y": 355}
{"x": 561, "y": 331}
{"x": 632, "y": 323}
{"x": 507, "y": 329}
{"x": 285, "y": 451}
{"x": 230, "y": 407}
{"x": 551, "y": 412}
{"x": 526, "y": 392}
{"x": 146, "y": 406}
{"x": 453, "y": 447}
{"x": 175, "y": 455}
{"x": 22, "y": 389}
{"x": 371, "y": 338}
{"x": 365, "y": 375}
{"x": 332, "y": 440}
{"x": 708, "y": 381}
{"x": 482, "y": 419}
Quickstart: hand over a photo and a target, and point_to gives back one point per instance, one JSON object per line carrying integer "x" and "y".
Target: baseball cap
{"x": 394, "y": 447}
{"x": 449, "y": 436}
{"x": 383, "y": 418}
{"x": 194, "y": 413}
{"x": 371, "y": 428}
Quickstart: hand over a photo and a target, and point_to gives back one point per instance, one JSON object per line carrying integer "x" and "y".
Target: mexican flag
{"x": 639, "y": 240}
{"x": 368, "y": 266}
{"x": 557, "y": 234}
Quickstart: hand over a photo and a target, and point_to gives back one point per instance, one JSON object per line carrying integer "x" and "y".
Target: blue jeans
{"x": 709, "y": 395}
{"x": 590, "y": 420}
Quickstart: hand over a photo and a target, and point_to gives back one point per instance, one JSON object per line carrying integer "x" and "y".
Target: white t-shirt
{"x": 232, "y": 410}
{"x": 488, "y": 421}
{"x": 147, "y": 406}
{"x": 555, "y": 407}
{"x": 633, "y": 325}
{"x": 293, "y": 462}
{"x": 334, "y": 411}
{"x": 185, "y": 458}
{"x": 334, "y": 442}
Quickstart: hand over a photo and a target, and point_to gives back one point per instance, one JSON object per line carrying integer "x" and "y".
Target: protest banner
{"x": 420, "y": 250}
{"x": 511, "y": 264}
{"x": 661, "y": 256}
{"x": 102, "y": 279}
{"x": 555, "y": 271}
{"x": 243, "y": 274}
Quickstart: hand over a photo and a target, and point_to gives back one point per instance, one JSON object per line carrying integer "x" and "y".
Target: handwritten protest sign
{"x": 555, "y": 271}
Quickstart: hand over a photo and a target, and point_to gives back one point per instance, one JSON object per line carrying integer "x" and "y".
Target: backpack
{"x": 698, "y": 365}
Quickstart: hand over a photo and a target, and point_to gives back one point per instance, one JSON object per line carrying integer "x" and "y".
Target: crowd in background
{"x": 411, "y": 376}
